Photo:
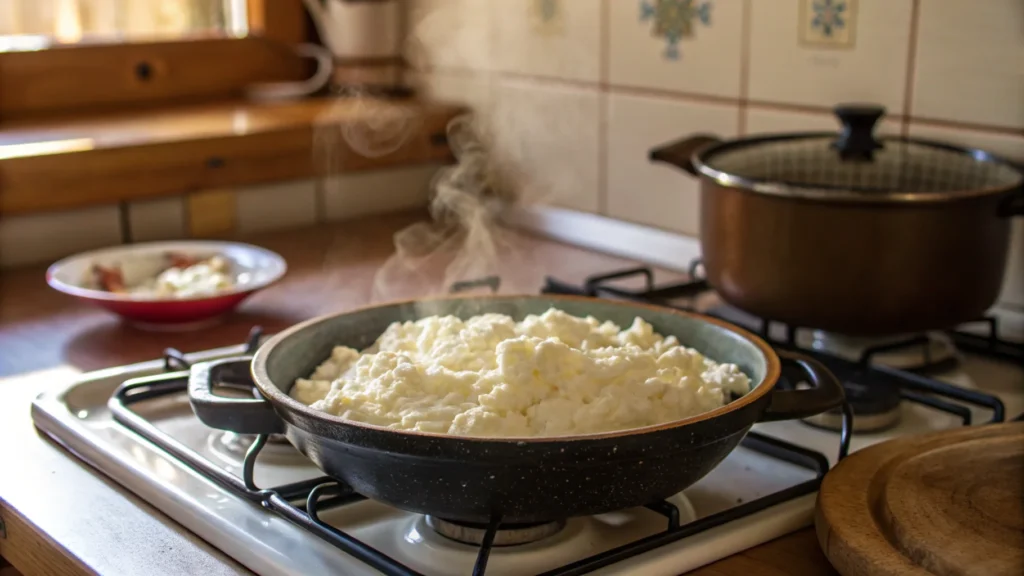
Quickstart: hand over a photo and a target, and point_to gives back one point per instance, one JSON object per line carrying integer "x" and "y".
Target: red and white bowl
{"x": 253, "y": 268}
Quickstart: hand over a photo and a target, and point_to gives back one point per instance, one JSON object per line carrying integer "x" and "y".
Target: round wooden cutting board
{"x": 943, "y": 504}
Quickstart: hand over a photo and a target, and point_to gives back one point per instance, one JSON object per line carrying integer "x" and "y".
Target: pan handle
{"x": 680, "y": 153}
{"x": 240, "y": 415}
{"x": 827, "y": 391}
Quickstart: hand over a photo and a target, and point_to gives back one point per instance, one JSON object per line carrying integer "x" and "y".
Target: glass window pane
{"x": 36, "y": 24}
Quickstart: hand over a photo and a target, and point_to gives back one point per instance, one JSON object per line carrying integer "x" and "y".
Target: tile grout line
{"x": 183, "y": 217}
{"x": 124, "y": 222}
{"x": 186, "y": 214}
{"x": 604, "y": 71}
{"x": 745, "y": 27}
{"x": 757, "y": 104}
{"x": 911, "y": 70}
{"x": 725, "y": 100}
{"x": 320, "y": 198}
{"x": 748, "y": 103}
{"x": 800, "y": 108}
{"x": 968, "y": 126}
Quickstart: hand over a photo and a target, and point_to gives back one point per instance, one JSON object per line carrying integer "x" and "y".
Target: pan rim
{"x": 278, "y": 398}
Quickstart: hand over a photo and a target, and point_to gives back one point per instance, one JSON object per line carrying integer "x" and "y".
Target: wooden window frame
{"x": 89, "y": 125}
{"x": 79, "y": 79}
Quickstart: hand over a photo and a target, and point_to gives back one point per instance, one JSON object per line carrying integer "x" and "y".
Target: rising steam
{"x": 462, "y": 242}
{"x": 525, "y": 144}
{"x": 359, "y": 127}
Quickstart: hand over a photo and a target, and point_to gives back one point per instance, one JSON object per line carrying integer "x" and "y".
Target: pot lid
{"x": 855, "y": 165}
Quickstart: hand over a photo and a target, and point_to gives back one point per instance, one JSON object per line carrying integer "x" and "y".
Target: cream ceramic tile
{"x": 558, "y": 38}
{"x": 789, "y": 64}
{"x": 828, "y": 23}
{"x": 761, "y": 120}
{"x": 449, "y": 34}
{"x": 44, "y": 238}
{"x": 657, "y": 44}
{"x": 360, "y": 194}
{"x": 545, "y": 138}
{"x": 547, "y": 17}
{"x": 1013, "y": 282}
{"x": 161, "y": 219}
{"x": 970, "y": 61}
{"x": 657, "y": 194}
{"x": 1011, "y": 147}
{"x": 276, "y": 206}
{"x": 469, "y": 88}
{"x": 211, "y": 213}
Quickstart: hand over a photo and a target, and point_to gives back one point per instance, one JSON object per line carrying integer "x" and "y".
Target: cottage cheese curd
{"x": 549, "y": 375}
{"x": 203, "y": 278}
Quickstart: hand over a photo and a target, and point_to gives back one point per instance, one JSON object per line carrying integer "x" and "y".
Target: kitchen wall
{"x": 577, "y": 91}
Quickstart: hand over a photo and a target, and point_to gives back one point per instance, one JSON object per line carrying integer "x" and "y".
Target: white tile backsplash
{"x": 469, "y": 88}
{"x": 828, "y": 23}
{"x": 761, "y": 120}
{"x": 706, "y": 59}
{"x": 364, "y": 193}
{"x": 563, "y": 43}
{"x": 160, "y": 219}
{"x": 783, "y": 68}
{"x": 44, "y": 238}
{"x": 276, "y": 206}
{"x": 1011, "y": 147}
{"x": 970, "y": 62}
{"x": 657, "y": 194}
{"x": 546, "y": 140}
{"x": 1013, "y": 282}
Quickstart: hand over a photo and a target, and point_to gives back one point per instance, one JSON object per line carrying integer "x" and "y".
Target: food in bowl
{"x": 184, "y": 276}
{"x": 551, "y": 374}
{"x": 135, "y": 281}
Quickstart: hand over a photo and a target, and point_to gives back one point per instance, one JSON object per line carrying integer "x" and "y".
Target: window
{"x": 75, "y": 56}
{"x": 39, "y": 24}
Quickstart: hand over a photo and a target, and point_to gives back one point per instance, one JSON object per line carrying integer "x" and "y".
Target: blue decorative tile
{"x": 829, "y": 16}
{"x": 674, "y": 20}
{"x": 546, "y": 16}
{"x": 829, "y": 23}
{"x": 548, "y": 10}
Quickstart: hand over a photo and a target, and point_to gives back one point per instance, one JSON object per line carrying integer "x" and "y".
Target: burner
{"x": 931, "y": 351}
{"x": 507, "y": 535}
{"x": 876, "y": 407}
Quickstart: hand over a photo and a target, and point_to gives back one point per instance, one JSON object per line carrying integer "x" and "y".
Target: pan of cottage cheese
{"x": 528, "y": 408}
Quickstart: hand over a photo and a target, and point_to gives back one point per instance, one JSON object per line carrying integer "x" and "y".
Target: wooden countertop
{"x": 63, "y": 518}
{"x": 63, "y": 162}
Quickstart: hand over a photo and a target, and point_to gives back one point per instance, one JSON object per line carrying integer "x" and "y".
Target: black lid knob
{"x": 857, "y": 140}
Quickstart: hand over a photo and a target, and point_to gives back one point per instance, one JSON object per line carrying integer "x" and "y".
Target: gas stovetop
{"x": 265, "y": 505}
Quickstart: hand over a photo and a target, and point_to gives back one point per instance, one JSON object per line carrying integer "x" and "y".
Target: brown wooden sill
{"x": 70, "y": 162}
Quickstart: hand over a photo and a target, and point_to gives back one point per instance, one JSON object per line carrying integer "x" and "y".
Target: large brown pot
{"x": 849, "y": 234}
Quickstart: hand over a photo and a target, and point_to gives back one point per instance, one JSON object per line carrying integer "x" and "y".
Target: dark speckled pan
{"x": 519, "y": 479}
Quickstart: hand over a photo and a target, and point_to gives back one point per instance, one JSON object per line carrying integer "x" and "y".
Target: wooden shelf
{"x": 69, "y": 162}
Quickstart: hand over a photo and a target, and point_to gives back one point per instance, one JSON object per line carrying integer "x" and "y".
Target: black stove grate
{"x": 912, "y": 386}
{"x": 302, "y": 502}
{"x": 989, "y": 343}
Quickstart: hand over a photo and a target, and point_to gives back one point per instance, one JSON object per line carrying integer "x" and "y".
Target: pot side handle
{"x": 1012, "y": 205}
{"x": 680, "y": 153}
{"x": 827, "y": 391}
{"x": 240, "y": 415}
